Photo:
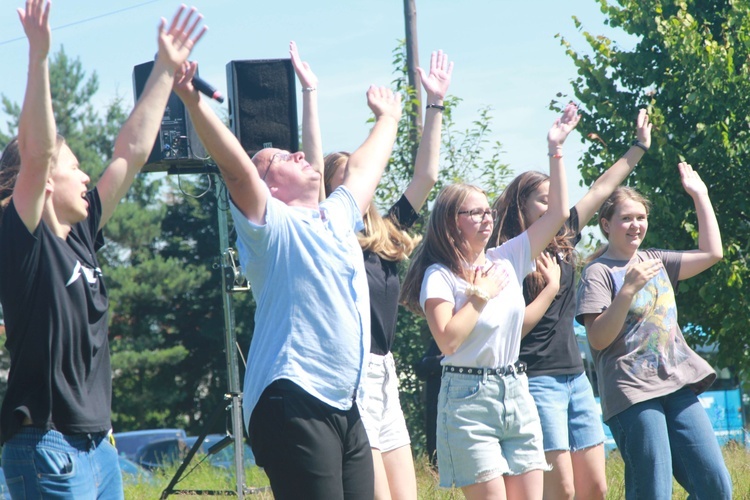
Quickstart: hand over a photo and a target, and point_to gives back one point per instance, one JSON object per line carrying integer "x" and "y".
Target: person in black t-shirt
{"x": 385, "y": 243}
{"x": 571, "y": 424}
{"x": 55, "y": 418}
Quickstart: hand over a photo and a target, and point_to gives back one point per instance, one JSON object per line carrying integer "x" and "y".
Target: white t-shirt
{"x": 495, "y": 341}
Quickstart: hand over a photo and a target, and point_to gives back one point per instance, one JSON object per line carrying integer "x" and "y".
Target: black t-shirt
{"x": 55, "y": 306}
{"x": 551, "y": 347}
{"x": 385, "y": 287}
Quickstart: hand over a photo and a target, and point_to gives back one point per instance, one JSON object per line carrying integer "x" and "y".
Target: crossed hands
{"x": 176, "y": 42}
{"x": 35, "y": 21}
{"x": 437, "y": 81}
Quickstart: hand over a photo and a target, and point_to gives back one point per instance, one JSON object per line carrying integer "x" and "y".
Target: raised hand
{"x": 563, "y": 126}
{"x": 35, "y": 21}
{"x": 305, "y": 75}
{"x": 549, "y": 268}
{"x": 643, "y": 128}
{"x": 384, "y": 102}
{"x": 176, "y": 42}
{"x": 641, "y": 273}
{"x": 436, "y": 83}
{"x": 691, "y": 181}
{"x": 183, "y": 82}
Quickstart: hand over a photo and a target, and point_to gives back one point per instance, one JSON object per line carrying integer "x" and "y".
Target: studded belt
{"x": 515, "y": 368}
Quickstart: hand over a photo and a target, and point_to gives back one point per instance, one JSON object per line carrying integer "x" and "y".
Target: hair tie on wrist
{"x": 639, "y": 144}
{"x": 439, "y": 107}
{"x": 309, "y": 89}
{"x": 556, "y": 156}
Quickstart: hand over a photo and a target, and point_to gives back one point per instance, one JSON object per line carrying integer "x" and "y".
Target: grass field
{"x": 207, "y": 478}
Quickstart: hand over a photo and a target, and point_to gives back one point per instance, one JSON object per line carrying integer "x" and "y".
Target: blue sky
{"x": 505, "y": 53}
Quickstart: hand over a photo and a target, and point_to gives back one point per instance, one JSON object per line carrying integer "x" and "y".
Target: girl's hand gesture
{"x": 437, "y": 82}
{"x": 549, "y": 268}
{"x": 643, "y": 128}
{"x": 563, "y": 126}
{"x": 691, "y": 181}
{"x": 639, "y": 274}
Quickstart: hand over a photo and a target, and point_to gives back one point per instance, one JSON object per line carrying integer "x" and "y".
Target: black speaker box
{"x": 263, "y": 104}
{"x": 177, "y": 148}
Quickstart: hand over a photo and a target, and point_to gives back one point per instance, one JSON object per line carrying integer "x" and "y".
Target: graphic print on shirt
{"x": 90, "y": 274}
{"x": 654, "y": 343}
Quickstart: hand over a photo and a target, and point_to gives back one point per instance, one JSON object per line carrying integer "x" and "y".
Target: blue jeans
{"x": 670, "y": 435}
{"x": 40, "y": 464}
{"x": 571, "y": 419}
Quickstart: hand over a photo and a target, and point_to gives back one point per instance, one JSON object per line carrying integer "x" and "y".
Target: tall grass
{"x": 205, "y": 477}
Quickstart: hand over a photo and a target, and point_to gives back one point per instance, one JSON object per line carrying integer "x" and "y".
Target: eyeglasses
{"x": 478, "y": 214}
{"x": 280, "y": 156}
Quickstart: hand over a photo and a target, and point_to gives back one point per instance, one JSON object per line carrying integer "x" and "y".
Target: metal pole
{"x": 233, "y": 376}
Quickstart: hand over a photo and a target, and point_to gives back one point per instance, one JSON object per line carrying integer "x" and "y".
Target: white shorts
{"x": 380, "y": 406}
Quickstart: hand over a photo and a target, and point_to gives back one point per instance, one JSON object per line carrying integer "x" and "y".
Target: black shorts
{"x": 308, "y": 448}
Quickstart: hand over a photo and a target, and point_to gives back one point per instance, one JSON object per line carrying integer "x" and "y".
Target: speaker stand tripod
{"x": 232, "y": 281}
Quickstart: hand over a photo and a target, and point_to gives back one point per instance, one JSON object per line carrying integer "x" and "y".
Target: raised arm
{"x": 312, "y": 144}
{"x": 709, "y": 250}
{"x": 137, "y": 136}
{"x": 367, "y": 163}
{"x": 546, "y": 227}
{"x": 617, "y": 173}
{"x": 37, "y": 133}
{"x": 248, "y": 191}
{"x": 427, "y": 162}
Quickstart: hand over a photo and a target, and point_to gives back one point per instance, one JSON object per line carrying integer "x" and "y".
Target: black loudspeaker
{"x": 263, "y": 104}
{"x": 177, "y": 148}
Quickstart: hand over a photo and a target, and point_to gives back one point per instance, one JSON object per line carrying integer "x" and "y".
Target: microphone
{"x": 204, "y": 87}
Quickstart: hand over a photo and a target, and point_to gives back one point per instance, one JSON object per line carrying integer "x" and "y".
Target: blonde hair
{"x": 607, "y": 210}
{"x": 442, "y": 244}
{"x": 381, "y": 236}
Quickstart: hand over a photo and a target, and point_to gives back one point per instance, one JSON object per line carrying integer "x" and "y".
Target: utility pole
{"x": 412, "y": 61}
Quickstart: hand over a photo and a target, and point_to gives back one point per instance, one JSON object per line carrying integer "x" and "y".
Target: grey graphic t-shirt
{"x": 649, "y": 358}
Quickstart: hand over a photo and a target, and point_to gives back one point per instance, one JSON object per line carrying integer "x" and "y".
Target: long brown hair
{"x": 382, "y": 236}
{"x": 10, "y": 165}
{"x": 442, "y": 243}
{"x": 607, "y": 210}
{"x": 511, "y": 221}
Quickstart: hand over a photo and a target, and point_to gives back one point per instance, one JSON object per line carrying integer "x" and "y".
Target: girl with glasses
{"x": 489, "y": 440}
{"x": 573, "y": 434}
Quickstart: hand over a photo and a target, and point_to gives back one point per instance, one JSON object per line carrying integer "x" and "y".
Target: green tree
{"x": 166, "y": 315}
{"x": 466, "y": 156}
{"x": 689, "y": 64}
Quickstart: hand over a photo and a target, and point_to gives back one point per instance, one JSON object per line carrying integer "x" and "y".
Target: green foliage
{"x": 689, "y": 66}
{"x": 466, "y": 156}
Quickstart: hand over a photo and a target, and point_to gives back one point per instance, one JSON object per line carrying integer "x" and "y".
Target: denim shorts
{"x": 380, "y": 406}
{"x": 487, "y": 427}
{"x": 571, "y": 419}
{"x": 41, "y": 464}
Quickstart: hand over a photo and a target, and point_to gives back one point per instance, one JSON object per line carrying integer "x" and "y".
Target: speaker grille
{"x": 263, "y": 104}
